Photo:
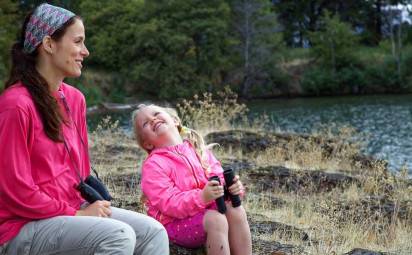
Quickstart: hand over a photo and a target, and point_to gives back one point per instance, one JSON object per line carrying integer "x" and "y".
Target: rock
{"x": 278, "y": 177}
{"x": 109, "y": 108}
{"x": 274, "y": 248}
{"x": 178, "y": 250}
{"x": 358, "y": 251}
{"x": 250, "y": 141}
{"x": 128, "y": 204}
{"x": 127, "y": 191}
{"x": 266, "y": 198}
{"x": 259, "y": 247}
{"x": 373, "y": 207}
{"x": 368, "y": 162}
{"x": 284, "y": 231}
{"x": 129, "y": 181}
{"x": 237, "y": 165}
{"x": 115, "y": 149}
{"x": 253, "y": 142}
{"x": 245, "y": 140}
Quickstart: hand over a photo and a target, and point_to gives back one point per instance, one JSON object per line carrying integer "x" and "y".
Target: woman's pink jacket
{"x": 37, "y": 176}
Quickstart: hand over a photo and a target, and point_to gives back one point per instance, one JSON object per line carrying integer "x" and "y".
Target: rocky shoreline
{"x": 268, "y": 184}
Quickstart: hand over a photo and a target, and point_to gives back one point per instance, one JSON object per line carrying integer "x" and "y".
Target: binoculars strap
{"x": 66, "y": 107}
{"x": 71, "y": 159}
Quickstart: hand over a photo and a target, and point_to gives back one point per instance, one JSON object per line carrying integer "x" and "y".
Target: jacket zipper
{"x": 191, "y": 166}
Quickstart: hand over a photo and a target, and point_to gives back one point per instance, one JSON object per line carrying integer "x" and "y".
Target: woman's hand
{"x": 211, "y": 191}
{"x": 237, "y": 187}
{"x": 98, "y": 209}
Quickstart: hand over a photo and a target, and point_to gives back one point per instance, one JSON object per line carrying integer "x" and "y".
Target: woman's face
{"x": 70, "y": 51}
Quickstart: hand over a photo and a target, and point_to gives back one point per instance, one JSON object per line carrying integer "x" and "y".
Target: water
{"x": 383, "y": 123}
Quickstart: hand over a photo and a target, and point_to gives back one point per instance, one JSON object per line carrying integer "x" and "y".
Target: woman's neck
{"x": 53, "y": 79}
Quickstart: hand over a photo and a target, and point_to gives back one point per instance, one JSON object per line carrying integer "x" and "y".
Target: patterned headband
{"x": 45, "y": 20}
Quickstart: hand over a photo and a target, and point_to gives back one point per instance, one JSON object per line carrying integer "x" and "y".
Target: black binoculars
{"x": 92, "y": 189}
{"x": 229, "y": 175}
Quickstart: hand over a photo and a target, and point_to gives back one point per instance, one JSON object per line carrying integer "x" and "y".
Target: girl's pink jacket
{"x": 172, "y": 181}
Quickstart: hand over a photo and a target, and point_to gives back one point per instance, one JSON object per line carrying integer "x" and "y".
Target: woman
{"x": 44, "y": 153}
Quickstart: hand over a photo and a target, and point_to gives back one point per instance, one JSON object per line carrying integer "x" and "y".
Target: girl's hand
{"x": 211, "y": 191}
{"x": 237, "y": 187}
{"x": 98, "y": 209}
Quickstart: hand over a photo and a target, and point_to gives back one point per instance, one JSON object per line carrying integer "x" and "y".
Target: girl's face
{"x": 156, "y": 127}
{"x": 69, "y": 51}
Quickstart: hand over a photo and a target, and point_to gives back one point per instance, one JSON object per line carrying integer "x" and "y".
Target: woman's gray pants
{"x": 126, "y": 232}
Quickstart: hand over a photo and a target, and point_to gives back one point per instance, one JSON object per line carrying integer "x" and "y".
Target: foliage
{"x": 166, "y": 48}
{"x": 338, "y": 70}
{"x": 407, "y": 71}
{"x": 27, "y": 5}
{"x": 383, "y": 75}
{"x": 319, "y": 80}
{"x": 92, "y": 93}
{"x": 299, "y": 17}
{"x": 8, "y": 31}
{"x": 324, "y": 81}
{"x": 259, "y": 40}
{"x": 176, "y": 49}
{"x": 333, "y": 44}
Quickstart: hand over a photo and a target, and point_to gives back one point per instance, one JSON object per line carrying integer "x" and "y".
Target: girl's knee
{"x": 215, "y": 221}
{"x": 236, "y": 214}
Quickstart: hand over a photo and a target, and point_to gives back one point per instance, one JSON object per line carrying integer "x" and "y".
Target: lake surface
{"x": 383, "y": 123}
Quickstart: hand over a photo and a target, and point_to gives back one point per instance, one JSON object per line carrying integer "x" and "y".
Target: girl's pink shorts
{"x": 188, "y": 232}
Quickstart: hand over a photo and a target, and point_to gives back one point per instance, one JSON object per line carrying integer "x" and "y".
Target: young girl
{"x": 176, "y": 187}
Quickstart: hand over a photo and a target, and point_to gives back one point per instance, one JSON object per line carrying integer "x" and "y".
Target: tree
{"x": 259, "y": 37}
{"x": 333, "y": 44}
{"x": 166, "y": 49}
{"x": 395, "y": 23}
{"x": 8, "y": 34}
{"x": 301, "y": 16}
{"x": 27, "y": 5}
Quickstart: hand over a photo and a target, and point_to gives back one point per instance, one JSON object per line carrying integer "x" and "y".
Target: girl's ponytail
{"x": 198, "y": 143}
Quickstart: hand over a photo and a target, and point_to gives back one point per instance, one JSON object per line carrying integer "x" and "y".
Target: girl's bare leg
{"x": 239, "y": 232}
{"x": 216, "y": 227}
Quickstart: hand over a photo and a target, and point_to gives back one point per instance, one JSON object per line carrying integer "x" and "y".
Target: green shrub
{"x": 333, "y": 44}
{"x": 351, "y": 79}
{"x": 93, "y": 94}
{"x": 382, "y": 76}
{"x": 319, "y": 81}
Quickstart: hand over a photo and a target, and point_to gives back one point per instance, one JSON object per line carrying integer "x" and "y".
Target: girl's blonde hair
{"x": 187, "y": 133}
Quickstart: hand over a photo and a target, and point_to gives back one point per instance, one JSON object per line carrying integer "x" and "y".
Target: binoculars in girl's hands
{"x": 229, "y": 175}
{"x": 220, "y": 201}
{"x": 92, "y": 189}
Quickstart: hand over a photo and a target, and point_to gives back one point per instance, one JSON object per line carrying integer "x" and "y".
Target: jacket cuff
{"x": 199, "y": 200}
{"x": 70, "y": 211}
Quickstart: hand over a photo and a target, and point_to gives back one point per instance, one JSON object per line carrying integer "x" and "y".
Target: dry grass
{"x": 332, "y": 228}
{"x": 209, "y": 113}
